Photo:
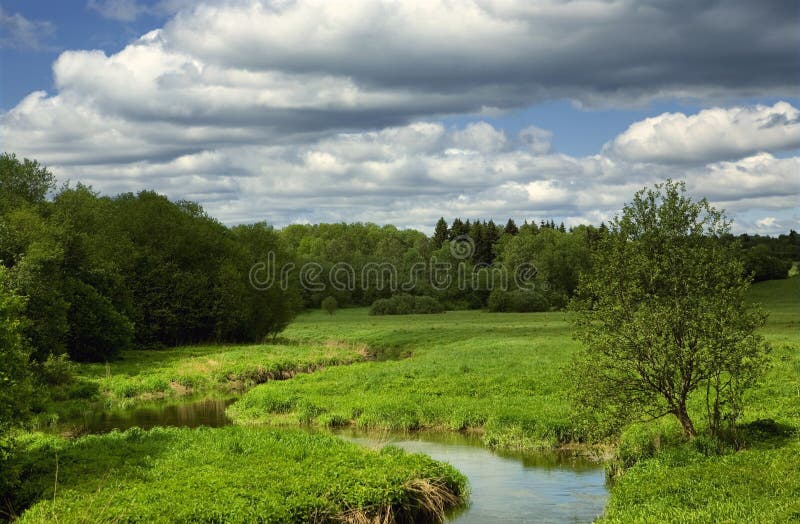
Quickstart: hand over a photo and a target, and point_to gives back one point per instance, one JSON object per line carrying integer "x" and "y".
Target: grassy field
{"x": 230, "y": 474}
{"x": 500, "y": 375}
{"x": 497, "y": 373}
{"x": 148, "y": 374}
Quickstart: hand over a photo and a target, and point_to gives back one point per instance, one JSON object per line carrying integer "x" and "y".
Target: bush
{"x": 517, "y": 301}
{"x": 406, "y": 305}
{"x": 329, "y": 304}
{"x": 58, "y": 370}
{"x": 760, "y": 263}
{"x": 427, "y": 305}
{"x": 97, "y": 330}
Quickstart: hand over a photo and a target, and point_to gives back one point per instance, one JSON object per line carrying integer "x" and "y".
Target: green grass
{"x": 230, "y": 474}
{"x": 499, "y": 373}
{"x": 147, "y": 374}
{"x": 687, "y": 483}
{"x": 502, "y": 374}
{"x": 686, "y": 486}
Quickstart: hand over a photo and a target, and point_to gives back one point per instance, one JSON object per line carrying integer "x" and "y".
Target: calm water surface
{"x": 510, "y": 488}
{"x": 505, "y": 487}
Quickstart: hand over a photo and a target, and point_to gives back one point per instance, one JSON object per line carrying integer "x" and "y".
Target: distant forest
{"x": 99, "y": 273}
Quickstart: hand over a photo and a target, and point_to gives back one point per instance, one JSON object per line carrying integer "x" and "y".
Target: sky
{"x": 306, "y": 111}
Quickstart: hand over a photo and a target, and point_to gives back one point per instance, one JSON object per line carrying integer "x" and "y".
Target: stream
{"x": 505, "y": 487}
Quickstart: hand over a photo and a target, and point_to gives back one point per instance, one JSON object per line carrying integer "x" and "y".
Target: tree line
{"x": 99, "y": 274}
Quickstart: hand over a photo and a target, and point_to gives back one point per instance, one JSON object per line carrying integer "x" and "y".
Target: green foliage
{"x": 559, "y": 258}
{"x": 100, "y": 273}
{"x": 15, "y": 380}
{"x": 663, "y": 314}
{"x": 329, "y": 305}
{"x": 440, "y": 233}
{"x": 97, "y": 330}
{"x": 58, "y": 370}
{"x": 517, "y": 301}
{"x": 406, "y": 305}
{"x": 759, "y": 262}
{"x": 229, "y": 474}
{"x": 23, "y": 182}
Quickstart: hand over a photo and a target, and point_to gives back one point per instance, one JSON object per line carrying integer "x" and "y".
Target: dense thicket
{"x": 100, "y": 274}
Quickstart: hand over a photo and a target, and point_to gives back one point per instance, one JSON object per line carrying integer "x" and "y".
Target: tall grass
{"x": 232, "y": 474}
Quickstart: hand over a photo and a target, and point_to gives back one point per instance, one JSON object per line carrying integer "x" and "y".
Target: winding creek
{"x": 505, "y": 487}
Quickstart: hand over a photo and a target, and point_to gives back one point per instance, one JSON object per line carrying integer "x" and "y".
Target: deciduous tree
{"x": 662, "y": 314}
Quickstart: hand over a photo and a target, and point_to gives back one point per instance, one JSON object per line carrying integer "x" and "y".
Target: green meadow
{"x": 503, "y": 375}
{"x": 230, "y": 474}
{"x": 499, "y": 375}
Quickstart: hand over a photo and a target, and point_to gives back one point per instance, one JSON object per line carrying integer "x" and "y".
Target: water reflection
{"x": 508, "y": 487}
{"x": 505, "y": 487}
{"x": 190, "y": 414}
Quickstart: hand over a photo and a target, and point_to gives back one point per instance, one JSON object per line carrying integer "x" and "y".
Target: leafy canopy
{"x": 662, "y": 314}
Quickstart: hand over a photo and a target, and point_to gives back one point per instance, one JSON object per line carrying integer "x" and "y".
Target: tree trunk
{"x": 686, "y": 422}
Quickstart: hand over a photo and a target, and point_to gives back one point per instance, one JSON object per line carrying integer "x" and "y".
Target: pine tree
{"x": 457, "y": 229}
{"x": 440, "y": 233}
{"x": 511, "y": 228}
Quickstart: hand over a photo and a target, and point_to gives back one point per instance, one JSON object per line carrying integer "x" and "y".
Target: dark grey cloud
{"x": 597, "y": 52}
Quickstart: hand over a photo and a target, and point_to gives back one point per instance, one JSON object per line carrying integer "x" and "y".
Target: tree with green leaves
{"x": 662, "y": 315}
{"x": 15, "y": 379}
{"x": 23, "y": 182}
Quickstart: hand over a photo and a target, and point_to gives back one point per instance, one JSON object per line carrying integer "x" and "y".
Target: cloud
{"x": 121, "y": 10}
{"x": 410, "y": 175}
{"x": 711, "y": 134}
{"x": 130, "y": 10}
{"x": 20, "y": 33}
{"x": 318, "y": 111}
{"x": 508, "y": 53}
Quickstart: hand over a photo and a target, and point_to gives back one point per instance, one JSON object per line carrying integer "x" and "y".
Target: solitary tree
{"x": 662, "y": 314}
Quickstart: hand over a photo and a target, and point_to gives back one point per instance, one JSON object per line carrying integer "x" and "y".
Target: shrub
{"x": 427, "y": 305}
{"x": 406, "y": 305}
{"x": 760, "y": 263}
{"x": 330, "y": 304}
{"x": 517, "y": 301}
{"x": 98, "y": 331}
{"x": 58, "y": 370}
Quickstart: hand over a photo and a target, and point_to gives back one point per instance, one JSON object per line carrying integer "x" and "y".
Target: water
{"x": 190, "y": 414}
{"x": 509, "y": 487}
{"x": 505, "y": 487}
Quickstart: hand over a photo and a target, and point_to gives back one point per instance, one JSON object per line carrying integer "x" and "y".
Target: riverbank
{"x": 231, "y": 474}
{"x": 501, "y": 377}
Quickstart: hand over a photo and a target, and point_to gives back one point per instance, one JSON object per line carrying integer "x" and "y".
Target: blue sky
{"x": 74, "y": 26}
{"x": 537, "y": 115}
